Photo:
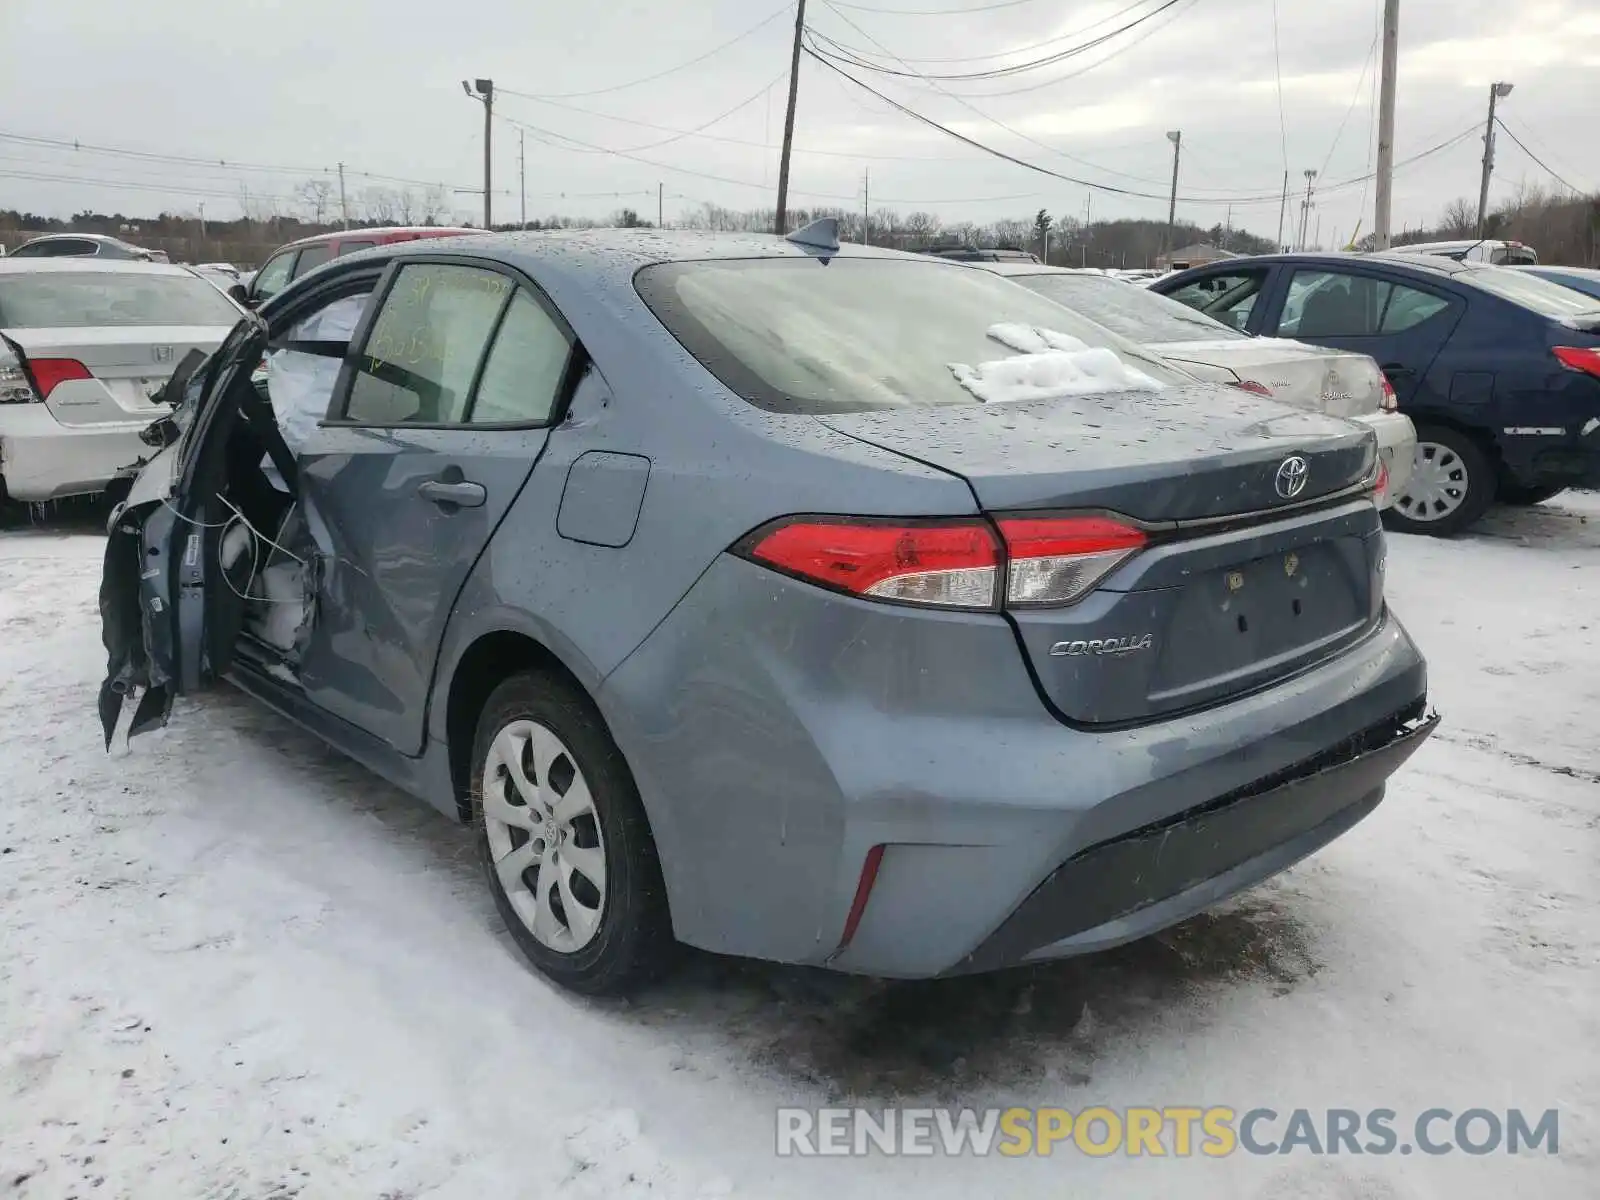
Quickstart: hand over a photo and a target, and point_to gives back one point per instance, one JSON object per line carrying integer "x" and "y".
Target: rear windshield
{"x": 90, "y": 300}
{"x": 805, "y": 335}
{"x": 1543, "y": 297}
{"x": 1125, "y": 308}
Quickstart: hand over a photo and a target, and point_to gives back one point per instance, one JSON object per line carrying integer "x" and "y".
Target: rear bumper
{"x": 1397, "y": 449}
{"x": 1544, "y": 456}
{"x": 778, "y": 733}
{"x": 1148, "y": 879}
{"x": 42, "y": 459}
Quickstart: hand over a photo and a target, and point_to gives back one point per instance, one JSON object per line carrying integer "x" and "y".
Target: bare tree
{"x": 1460, "y": 219}
{"x": 406, "y": 203}
{"x": 316, "y": 196}
{"x": 379, "y": 204}
{"x": 435, "y": 204}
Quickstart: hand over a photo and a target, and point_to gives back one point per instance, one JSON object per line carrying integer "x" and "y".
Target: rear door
{"x": 438, "y": 420}
{"x": 1401, "y": 323}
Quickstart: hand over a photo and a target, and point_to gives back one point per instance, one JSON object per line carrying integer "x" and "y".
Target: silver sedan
{"x": 83, "y": 345}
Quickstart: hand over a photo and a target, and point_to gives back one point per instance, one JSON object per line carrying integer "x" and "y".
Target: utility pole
{"x": 522, "y": 175}
{"x": 661, "y": 208}
{"x": 483, "y": 90}
{"x": 1227, "y": 229}
{"x": 344, "y": 208}
{"x": 1497, "y": 91}
{"x": 781, "y": 221}
{"x": 1283, "y": 211}
{"x": 1386, "y": 89}
{"x": 202, "y": 221}
{"x": 1176, "y": 138}
{"x": 866, "y": 208}
{"x": 1305, "y": 208}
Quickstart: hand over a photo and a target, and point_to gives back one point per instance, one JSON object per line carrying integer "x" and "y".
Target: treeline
{"x": 1563, "y": 228}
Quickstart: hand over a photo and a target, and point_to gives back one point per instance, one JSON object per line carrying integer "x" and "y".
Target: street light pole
{"x": 1497, "y": 91}
{"x": 1305, "y": 207}
{"x": 1176, "y": 138}
{"x": 483, "y": 90}
{"x": 1386, "y": 90}
{"x": 782, "y": 217}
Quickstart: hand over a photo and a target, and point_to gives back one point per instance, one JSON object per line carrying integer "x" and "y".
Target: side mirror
{"x": 239, "y": 295}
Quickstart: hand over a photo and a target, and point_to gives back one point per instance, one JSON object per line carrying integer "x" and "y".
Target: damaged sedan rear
{"x": 813, "y": 603}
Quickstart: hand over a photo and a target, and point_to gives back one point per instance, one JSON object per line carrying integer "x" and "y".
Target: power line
{"x": 961, "y": 100}
{"x": 1015, "y": 50}
{"x": 1535, "y": 157}
{"x": 189, "y": 160}
{"x": 853, "y": 58}
{"x": 1277, "y": 69}
{"x": 715, "y": 50}
{"x": 1354, "y": 100}
{"x": 936, "y": 12}
{"x": 1011, "y": 158}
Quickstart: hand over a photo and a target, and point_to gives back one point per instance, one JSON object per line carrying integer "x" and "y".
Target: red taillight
{"x": 1579, "y": 358}
{"x": 949, "y": 564}
{"x": 1390, "y": 402}
{"x": 1382, "y": 485}
{"x": 47, "y": 372}
{"x": 1255, "y": 386}
{"x": 1056, "y": 560}
{"x": 953, "y": 563}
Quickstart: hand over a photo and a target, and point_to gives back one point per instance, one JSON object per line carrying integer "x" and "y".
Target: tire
{"x": 1452, "y": 484}
{"x": 1521, "y": 495}
{"x": 540, "y": 727}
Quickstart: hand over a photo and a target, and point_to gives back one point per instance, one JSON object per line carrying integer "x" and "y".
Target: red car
{"x": 290, "y": 262}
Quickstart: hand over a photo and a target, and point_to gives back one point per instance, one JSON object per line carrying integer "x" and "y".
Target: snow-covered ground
{"x": 235, "y": 966}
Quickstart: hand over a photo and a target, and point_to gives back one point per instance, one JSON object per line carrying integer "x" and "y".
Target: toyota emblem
{"x": 1291, "y": 478}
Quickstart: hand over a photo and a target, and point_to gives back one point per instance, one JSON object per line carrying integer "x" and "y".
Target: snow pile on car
{"x": 1051, "y": 364}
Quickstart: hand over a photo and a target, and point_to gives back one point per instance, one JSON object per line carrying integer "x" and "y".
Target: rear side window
{"x": 1529, "y": 291}
{"x": 420, "y": 359}
{"x": 352, "y": 247}
{"x": 119, "y": 299}
{"x": 1134, "y": 312}
{"x": 804, "y": 335}
{"x": 1409, "y": 308}
{"x": 522, "y": 378}
{"x": 1333, "y": 304}
{"x": 312, "y": 257}
{"x": 59, "y": 248}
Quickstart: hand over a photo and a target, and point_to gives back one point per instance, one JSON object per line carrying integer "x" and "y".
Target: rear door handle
{"x": 462, "y": 494}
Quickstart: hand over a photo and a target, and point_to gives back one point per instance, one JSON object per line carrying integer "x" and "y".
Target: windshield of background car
{"x": 1125, "y": 308}
{"x": 100, "y": 300}
{"x": 1543, "y": 297}
{"x": 807, "y": 335}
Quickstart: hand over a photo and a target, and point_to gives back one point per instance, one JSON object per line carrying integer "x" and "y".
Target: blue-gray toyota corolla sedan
{"x": 815, "y": 603}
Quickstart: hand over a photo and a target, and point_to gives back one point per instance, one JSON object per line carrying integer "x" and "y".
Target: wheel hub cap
{"x": 1438, "y": 485}
{"x": 544, "y": 836}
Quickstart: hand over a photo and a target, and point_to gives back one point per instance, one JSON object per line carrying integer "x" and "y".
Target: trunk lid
{"x": 127, "y": 365}
{"x": 1237, "y": 586}
{"x": 1180, "y": 454}
{"x": 1310, "y": 377}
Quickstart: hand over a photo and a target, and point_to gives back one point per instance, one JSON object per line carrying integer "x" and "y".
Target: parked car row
{"x": 1498, "y": 368}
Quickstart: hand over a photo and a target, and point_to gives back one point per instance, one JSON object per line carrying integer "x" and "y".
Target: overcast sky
{"x": 301, "y": 86}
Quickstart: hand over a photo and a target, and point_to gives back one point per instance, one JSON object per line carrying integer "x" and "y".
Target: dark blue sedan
{"x": 1499, "y": 369}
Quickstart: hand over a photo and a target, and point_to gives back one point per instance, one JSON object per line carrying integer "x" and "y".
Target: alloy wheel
{"x": 544, "y": 836}
{"x": 1438, "y": 485}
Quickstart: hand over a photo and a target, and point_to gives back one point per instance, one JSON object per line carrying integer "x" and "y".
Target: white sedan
{"x": 84, "y": 342}
{"x": 1337, "y": 382}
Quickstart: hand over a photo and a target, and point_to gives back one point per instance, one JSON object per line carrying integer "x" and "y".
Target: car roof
{"x": 79, "y": 266}
{"x": 620, "y": 253}
{"x": 1033, "y": 268}
{"x": 1429, "y": 263}
{"x": 1556, "y": 269}
{"x": 82, "y": 237}
{"x": 379, "y": 232}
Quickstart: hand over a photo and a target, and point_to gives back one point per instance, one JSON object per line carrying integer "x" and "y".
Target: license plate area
{"x": 1262, "y": 615}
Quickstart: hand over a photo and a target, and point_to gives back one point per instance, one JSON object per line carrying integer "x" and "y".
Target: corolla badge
{"x": 1116, "y": 647}
{"x": 1291, "y": 478}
